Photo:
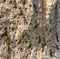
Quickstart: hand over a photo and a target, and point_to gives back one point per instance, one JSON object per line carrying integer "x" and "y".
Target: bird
{"x": 55, "y": 46}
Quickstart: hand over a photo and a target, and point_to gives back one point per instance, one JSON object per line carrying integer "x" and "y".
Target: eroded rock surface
{"x": 29, "y": 29}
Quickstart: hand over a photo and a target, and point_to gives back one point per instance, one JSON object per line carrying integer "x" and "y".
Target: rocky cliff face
{"x": 29, "y": 29}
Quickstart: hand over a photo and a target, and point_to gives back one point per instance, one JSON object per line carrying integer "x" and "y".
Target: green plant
{"x": 29, "y": 45}
{"x": 57, "y": 37}
{"x": 25, "y": 21}
{"x": 19, "y": 40}
{"x": 24, "y": 33}
{"x": 23, "y": 1}
{"x": 20, "y": 13}
{"x": 50, "y": 21}
{"x": 11, "y": 2}
{"x": 46, "y": 29}
{"x": 8, "y": 40}
{"x": 4, "y": 0}
{"x": 39, "y": 39}
{"x": 43, "y": 44}
{"x": 8, "y": 49}
{"x": 51, "y": 52}
{"x": 36, "y": 25}
{"x": 43, "y": 47}
{"x": 25, "y": 40}
{"x": 44, "y": 41}
{"x": 4, "y": 34}
{"x": 14, "y": 4}
{"x": 35, "y": 7}
{"x": 50, "y": 30}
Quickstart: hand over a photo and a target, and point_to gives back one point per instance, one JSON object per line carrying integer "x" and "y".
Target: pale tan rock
{"x": 45, "y": 10}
